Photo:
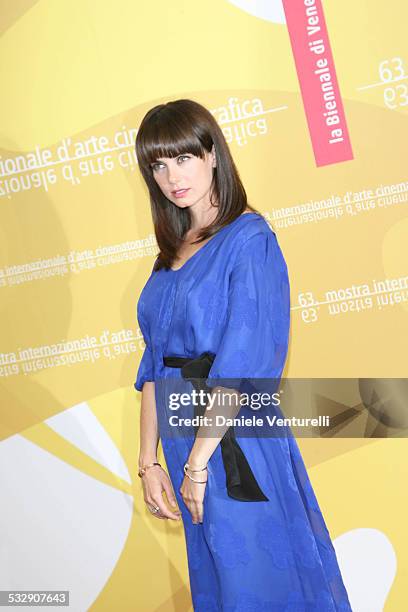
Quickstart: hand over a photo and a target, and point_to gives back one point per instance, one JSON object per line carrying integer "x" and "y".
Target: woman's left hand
{"x": 193, "y": 496}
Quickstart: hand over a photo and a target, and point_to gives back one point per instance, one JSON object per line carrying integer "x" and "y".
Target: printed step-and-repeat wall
{"x": 312, "y": 98}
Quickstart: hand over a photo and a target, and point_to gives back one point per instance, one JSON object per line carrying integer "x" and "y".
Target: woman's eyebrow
{"x": 160, "y": 159}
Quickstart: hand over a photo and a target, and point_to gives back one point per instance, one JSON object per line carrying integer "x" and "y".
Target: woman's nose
{"x": 173, "y": 174}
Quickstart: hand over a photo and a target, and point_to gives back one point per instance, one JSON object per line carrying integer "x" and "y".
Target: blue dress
{"x": 232, "y": 298}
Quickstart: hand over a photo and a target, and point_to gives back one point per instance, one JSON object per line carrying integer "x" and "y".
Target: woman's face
{"x": 185, "y": 180}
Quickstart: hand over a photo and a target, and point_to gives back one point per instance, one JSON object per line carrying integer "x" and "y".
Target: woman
{"x": 215, "y": 314}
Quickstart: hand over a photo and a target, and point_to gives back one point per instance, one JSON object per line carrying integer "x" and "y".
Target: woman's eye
{"x": 157, "y": 165}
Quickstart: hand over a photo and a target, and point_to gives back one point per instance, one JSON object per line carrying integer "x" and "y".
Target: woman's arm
{"x": 209, "y": 436}
{"x": 149, "y": 435}
{"x": 207, "y": 439}
{"x": 155, "y": 480}
{"x": 255, "y": 340}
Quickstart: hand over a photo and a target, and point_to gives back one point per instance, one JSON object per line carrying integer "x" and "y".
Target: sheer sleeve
{"x": 254, "y": 342}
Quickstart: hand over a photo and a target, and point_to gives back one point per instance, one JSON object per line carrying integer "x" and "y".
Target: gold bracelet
{"x": 143, "y": 469}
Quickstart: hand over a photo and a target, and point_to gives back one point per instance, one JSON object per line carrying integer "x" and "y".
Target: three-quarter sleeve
{"x": 254, "y": 341}
{"x": 145, "y": 371}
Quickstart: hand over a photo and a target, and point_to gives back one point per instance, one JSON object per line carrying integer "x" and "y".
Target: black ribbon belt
{"x": 241, "y": 482}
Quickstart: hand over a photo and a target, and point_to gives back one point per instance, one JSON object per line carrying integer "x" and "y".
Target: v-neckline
{"x": 210, "y": 240}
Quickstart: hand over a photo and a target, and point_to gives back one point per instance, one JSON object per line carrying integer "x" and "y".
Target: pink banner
{"x": 318, "y": 81}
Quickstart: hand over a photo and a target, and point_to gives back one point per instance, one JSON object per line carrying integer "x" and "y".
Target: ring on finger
{"x": 154, "y": 510}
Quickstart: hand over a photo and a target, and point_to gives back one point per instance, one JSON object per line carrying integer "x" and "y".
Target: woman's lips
{"x": 180, "y": 193}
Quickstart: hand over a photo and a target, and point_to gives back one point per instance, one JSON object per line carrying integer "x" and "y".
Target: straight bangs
{"x": 165, "y": 137}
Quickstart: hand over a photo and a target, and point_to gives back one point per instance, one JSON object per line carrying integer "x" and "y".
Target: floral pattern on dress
{"x": 306, "y": 547}
{"x": 212, "y": 302}
{"x": 247, "y": 314}
{"x": 162, "y": 313}
{"x": 228, "y": 544}
{"x": 273, "y": 538}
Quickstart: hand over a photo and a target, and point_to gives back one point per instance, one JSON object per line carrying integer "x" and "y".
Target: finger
{"x": 198, "y": 512}
{"x": 156, "y": 496}
{"x": 164, "y": 511}
{"x": 194, "y": 513}
{"x": 191, "y": 508}
{"x": 168, "y": 489}
{"x": 154, "y": 510}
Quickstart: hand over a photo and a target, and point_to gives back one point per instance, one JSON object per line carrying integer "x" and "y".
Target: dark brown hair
{"x": 169, "y": 130}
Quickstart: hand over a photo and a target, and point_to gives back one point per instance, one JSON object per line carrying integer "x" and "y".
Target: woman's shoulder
{"x": 252, "y": 225}
{"x": 250, "y": 240}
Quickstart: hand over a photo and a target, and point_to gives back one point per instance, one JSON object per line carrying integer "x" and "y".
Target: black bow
{"x": 241, "y": 482}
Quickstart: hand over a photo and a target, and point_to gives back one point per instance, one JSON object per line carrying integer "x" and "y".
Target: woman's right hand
{"x": 155, "y": 481}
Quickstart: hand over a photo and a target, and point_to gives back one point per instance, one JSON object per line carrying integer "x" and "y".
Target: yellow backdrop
{"x": 77, "y": 245}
